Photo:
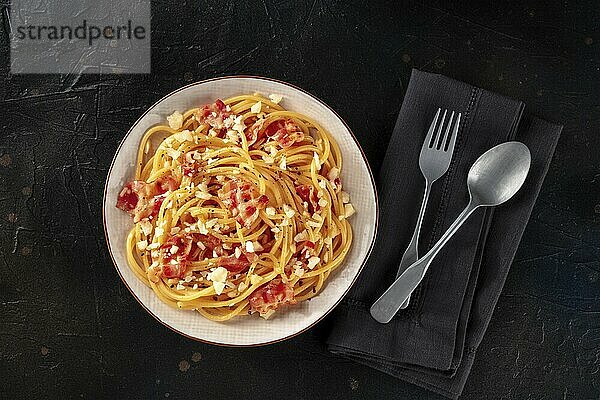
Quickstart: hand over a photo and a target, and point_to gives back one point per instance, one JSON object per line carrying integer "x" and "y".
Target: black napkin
{"x": 433, "y": 342}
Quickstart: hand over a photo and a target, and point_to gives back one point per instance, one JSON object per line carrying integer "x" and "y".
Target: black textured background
{"x": 70, "y": 329}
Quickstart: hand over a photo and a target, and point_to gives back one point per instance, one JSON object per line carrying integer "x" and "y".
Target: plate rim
{"x": 328, "y": 311}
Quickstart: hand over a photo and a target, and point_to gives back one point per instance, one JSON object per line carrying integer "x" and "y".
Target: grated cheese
{"x": 276, "y": 98}
{"x": 218, "y": 277}
{"x": 256, "y": 108}
{"x": 175, "y": 120}
{"x": 301, "y": 237}
{"x": 345, "y": 197}
{"x": 202, "y": 228}
{"x": 283, "y": 163}
{"x": 349, "y": 210}
{"x": 254, "y": 279}
{"x": 313, "y": 261}
{"x": 289, "y": 211}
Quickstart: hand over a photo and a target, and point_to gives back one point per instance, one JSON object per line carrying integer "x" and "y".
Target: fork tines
{"x": 441, "y": 135}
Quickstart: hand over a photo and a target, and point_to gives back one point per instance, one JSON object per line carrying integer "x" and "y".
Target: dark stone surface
{"x": 70, "y": 329}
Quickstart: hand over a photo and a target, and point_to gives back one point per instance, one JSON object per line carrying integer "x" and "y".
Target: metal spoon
{"x": 493, "y": 179}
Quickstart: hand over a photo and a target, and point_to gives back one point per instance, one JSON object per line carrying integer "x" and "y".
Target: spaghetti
{"x": 238, "y": 208}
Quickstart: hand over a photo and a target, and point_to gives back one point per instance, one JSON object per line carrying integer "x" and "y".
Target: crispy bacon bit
{"x": 309, "y": 244}
{"x": 243, "y": 199}
{"x": 213, "y": 115}
{"x": 141, "y": 199}
{"x": 308, "y": 194}
{"x": 254, "y": 134}
{"x": 193, "y": 162}
{"x": 285, "y": 132}
{"x": 166, "y": 183}
{"x": 209, "y": 241}
{"x": 233, "y": 264}
{"x": 304, "y": 251}
{"x": 174, "y": 264}
{"x": 128, "y": 197}
{"x": 173, "y": 271}
{"x": 270, "y": 296}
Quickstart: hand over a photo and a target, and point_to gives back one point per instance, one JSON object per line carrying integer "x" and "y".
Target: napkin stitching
{"x": 443, "y": 206}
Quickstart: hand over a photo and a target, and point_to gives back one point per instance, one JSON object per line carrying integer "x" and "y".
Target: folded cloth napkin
{"x": 433, "y": 342}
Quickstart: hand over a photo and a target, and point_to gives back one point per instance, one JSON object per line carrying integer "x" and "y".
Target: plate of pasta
{"x": 239, "y": 210}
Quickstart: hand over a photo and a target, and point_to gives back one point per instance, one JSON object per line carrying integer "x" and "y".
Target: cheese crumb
{"x": 289, "y": 211}
{"x": 323, "y": 184}
{"x": 153, "y": 246}
{"x": 322, "y": 202}
{"x": 283, "y": 163}
{"x": 212, "y": 222}
{"x": 142, "y": 244}
{"x": 249, "y": 247}
{"x": 276, "y": 98}
{"x": 256, "y": 108}
{"x": 239, "y": 125}
{"x": 333, "y": 173}
{"x": 175, "y": 230}
{"x": 174, "y": 154}
{"x": 267, "y": 314}
{"x": 254, "y": 279}
{"x": 272, "y": 150}
{"x": 242, "y": 286}
{"x": 201, "y": 246}
{"x": 175, "y": 120}
{"x": 146, "y": 226}
{"x": 218, "y": 277}
{"x": 238, "y": 252}
{"x": 349, "y": 210}
{"x": 202, "y": 228}
{"x": 270, "y": 211}
{"x": 184, "y": 135}
{"x": 203, "y": 195}
{"x": 345, "y": 197}
{"x": 313, "y": 261}
{"x": 174, "y": 249}
{"x": 301, "y": 237}
{"x": 317, "y": 160}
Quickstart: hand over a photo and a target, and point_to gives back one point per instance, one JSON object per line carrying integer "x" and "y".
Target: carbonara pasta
{"x": 238, "y": 208}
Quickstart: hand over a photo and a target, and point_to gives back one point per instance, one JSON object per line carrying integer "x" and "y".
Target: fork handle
{"x": 388, "y": 304}
{"x": 411, "y": 254}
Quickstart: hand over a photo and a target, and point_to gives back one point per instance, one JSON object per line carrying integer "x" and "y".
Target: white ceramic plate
{"x": 246, "y": 331}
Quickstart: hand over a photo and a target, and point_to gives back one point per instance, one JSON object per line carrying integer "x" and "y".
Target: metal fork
{"x": 434, "y": 161}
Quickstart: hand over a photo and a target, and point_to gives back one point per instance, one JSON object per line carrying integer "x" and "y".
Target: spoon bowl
{"x": 499, "y": 173}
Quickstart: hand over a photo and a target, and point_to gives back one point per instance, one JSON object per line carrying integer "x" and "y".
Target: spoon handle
{"x": 384, "y": 309}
